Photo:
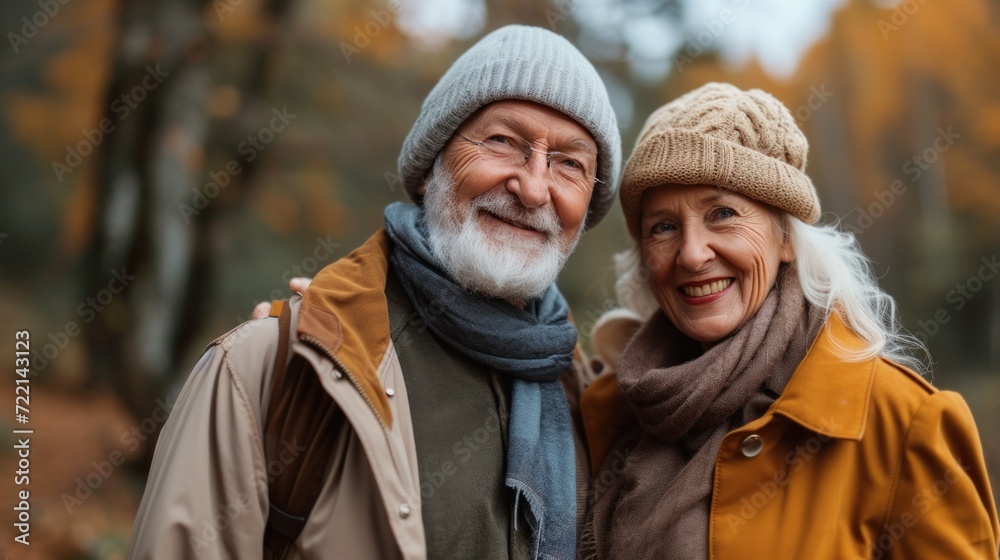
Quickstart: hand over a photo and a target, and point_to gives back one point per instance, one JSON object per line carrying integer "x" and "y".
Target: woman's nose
{"x": 695, "y": 251}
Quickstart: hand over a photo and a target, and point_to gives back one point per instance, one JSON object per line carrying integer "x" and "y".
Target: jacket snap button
{"x": 404, "y": 511}
{"x": 390, "y": 391}
{"x": 338, "y": 374}
{"x": 752, "y": 446}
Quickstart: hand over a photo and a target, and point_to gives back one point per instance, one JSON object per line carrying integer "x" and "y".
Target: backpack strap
{"x": 299, "y": 433}
{"x": 281, "y": 310}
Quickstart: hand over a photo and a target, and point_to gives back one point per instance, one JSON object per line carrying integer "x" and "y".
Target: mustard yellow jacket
{"x": 854, "y": 460}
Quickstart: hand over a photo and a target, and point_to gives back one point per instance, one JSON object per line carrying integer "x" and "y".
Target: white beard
{"x": 499, "y": 264}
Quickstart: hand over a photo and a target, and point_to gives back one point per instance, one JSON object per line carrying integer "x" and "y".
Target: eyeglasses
{"x": 566, "y": 169}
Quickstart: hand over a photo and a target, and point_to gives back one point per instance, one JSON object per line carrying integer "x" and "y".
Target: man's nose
{"x": 531, "y": 183}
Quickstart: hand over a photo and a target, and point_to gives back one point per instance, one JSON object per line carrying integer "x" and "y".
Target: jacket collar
{"x": 827, "y": 393}
{"x": 345, "y": 315}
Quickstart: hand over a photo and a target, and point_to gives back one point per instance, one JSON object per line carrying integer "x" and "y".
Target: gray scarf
{"x": 685, "y": 402}
{"x": 534, "y": 345}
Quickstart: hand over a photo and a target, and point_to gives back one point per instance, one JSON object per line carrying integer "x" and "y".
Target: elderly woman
{"x": 769, "y": 407}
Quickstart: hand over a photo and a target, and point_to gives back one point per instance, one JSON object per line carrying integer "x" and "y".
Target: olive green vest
{"x": 460, "y": 411}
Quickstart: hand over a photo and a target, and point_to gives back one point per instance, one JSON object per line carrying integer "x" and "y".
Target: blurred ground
{"x": 82, "y": 505}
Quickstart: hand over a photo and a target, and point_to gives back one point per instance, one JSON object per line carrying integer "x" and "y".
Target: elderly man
{"x": 442, "y": 341}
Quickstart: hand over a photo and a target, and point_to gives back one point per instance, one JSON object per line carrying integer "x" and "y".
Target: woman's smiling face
{"x": 713, "y": 256}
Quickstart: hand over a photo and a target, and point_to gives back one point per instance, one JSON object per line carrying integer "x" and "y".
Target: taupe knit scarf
{"x": 686, "y": 401}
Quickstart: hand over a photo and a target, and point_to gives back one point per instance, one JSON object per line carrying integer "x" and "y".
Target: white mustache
{"x": 506, "y": 206}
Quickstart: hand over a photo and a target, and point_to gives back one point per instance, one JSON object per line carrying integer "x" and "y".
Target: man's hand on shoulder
{"x": 263, "y": 308}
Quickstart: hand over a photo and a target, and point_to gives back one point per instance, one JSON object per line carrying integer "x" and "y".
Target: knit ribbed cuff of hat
{"x": 692, "y": 158}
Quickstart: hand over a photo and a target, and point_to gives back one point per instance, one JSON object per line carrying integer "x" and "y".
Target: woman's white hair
{"x": 835, "y": 276}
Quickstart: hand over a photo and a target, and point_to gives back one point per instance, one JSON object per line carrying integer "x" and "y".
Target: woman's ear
{"x": 787, "y": 251}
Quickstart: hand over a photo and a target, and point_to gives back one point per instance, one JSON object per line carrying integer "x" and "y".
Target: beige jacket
{"x": 206, "y": 496}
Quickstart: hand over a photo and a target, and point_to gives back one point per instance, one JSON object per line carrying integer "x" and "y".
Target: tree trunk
{"x": 151, "y": 164}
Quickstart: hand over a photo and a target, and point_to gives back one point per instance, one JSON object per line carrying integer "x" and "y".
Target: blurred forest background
{"x": 167, "y": 164}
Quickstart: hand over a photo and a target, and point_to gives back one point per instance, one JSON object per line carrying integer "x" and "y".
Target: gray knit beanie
{"x": 718, "y": 134}
{"x": 517, "y": 62}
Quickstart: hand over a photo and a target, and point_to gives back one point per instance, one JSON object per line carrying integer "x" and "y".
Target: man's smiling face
{"x": 528, "y": 189}
{"x": 505, "y": 227}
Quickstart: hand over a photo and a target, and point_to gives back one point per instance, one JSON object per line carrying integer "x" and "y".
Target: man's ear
{"x": 422, "y": 189}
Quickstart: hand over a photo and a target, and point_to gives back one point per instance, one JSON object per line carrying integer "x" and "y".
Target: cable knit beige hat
{"x": 718, "y": 134}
